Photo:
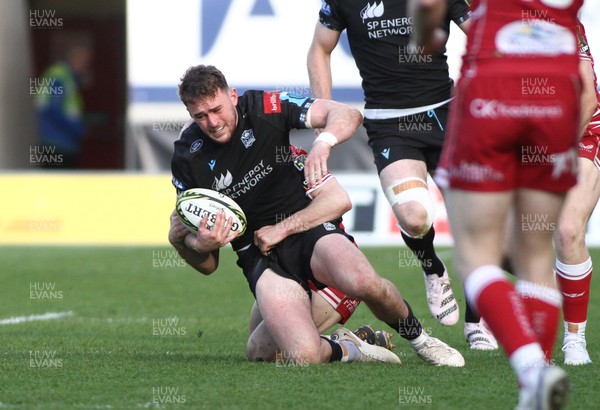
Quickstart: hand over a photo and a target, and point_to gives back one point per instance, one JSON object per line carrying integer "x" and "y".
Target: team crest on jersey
{"x": 222, "y": 182}
{"x": 371, "y": 11}
{"x": 272, "y": 102}
{"x": 196, "y": 145}
{"x": 248, "y": 138}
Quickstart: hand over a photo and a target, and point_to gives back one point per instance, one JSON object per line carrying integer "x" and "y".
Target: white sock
{"x": 580, "y": 328}
{"x": 416, "y": 343}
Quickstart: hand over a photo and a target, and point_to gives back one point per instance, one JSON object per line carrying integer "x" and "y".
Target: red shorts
{"x": 589, "y": 148}
{"x": 512, "y": 132}
{"x": 343, "y": 304}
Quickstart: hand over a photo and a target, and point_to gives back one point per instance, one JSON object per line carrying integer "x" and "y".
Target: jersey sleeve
{"x": 181, "y": 176}
{"x": 458, "y": 11}
{"x": 179, "y": 179}
{"x": 329, "y": 16}
{"x": 296, "y": 107}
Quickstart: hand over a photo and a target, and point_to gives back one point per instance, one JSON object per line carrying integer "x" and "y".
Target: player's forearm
{"x": 329, "y": 202}
{"x": 319, "y": 72}
{"x": 204, "y": 262}
{"x": 342, "y": 121}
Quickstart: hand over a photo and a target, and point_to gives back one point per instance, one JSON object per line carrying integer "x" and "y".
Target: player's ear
{"x": 234, "y": 96}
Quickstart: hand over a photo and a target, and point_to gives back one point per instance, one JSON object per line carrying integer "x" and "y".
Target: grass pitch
{"x": 140, "y": 329}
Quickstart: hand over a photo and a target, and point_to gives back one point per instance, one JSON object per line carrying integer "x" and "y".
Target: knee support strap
{"x": 409, "y": 189}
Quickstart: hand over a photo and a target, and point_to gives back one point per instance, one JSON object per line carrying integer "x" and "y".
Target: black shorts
{"x": 418, "y": 136}
{"x": 290, "y": 258}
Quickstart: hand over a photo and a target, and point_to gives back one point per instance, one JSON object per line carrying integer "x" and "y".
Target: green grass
{"x": 110, "y": 355}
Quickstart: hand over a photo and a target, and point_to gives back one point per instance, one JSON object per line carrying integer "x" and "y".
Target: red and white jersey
{"x": 585, "y": 54}
{"x": 522, "y": 36}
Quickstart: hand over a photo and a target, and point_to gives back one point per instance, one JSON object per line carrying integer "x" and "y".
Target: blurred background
{"x": 125, "y": 59}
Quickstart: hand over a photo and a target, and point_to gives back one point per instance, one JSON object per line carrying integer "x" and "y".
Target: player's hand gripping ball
{"x": 194, "y": 204}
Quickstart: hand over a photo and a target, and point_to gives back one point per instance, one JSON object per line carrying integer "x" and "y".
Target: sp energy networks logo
{"x": 372, "y": 11}
{"x": 222, "y": 182}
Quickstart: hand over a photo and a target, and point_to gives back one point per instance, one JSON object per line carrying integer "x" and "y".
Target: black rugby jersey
{"x": 378, "y": 33}
{"x": 257, "y": 167}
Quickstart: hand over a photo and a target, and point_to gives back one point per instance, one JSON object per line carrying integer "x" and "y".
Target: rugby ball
{"x": 194, "y": 204}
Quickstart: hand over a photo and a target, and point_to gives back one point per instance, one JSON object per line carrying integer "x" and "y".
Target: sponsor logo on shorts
{"x": 481, "y": 108}
{"x": 474, "y": 172}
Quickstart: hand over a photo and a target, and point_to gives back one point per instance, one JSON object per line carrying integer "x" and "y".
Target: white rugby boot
{"x": 440, "y": 298}
{"x": 576, "y": 353}
{"x": 436, "y": 352}
{"x": 479, "y": 336}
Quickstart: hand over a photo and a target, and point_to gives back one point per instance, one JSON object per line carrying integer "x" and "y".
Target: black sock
{"x": 336, "y": 350}
{"x": 423, "y": 249}
{"x": 409, "y": 328}
{"x": 470, "y": 315}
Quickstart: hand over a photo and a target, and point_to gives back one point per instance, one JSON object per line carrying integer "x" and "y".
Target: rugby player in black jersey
{"x": 406, "y": 104}
{"x": 232, "y": 145}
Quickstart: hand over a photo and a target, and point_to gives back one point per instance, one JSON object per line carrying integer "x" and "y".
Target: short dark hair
{"x": 200, "y": 83}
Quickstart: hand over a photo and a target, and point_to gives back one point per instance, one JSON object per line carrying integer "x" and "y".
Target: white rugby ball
{"x": 194, "y": 204}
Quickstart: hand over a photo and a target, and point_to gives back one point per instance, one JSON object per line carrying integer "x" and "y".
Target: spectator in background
{"x": 60, "y": 107}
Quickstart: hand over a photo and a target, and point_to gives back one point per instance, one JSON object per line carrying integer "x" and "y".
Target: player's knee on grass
{"x": 412, "y": 205}
{"x": 260, "y": 351}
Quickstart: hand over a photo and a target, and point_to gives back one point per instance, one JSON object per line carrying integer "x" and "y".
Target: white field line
{"x": 46, "y": 316}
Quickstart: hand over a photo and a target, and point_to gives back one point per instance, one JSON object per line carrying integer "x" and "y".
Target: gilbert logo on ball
{"x": 196, "y": 203}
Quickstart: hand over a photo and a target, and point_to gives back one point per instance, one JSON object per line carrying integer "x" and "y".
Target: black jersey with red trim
{"x": 378, "y": 34}
{"x": 257, "y": 167}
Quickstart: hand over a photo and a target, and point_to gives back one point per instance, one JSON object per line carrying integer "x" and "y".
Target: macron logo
{"x": 372, "y": 11}
{"x": 386, "y": 153}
